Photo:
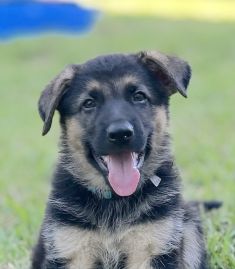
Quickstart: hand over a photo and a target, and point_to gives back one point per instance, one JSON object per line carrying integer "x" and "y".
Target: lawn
{"x": 203, "y": 126}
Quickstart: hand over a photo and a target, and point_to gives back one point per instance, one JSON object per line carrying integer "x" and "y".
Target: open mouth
{"x": 138, "y": 160}
{"x": 122, "y": 170}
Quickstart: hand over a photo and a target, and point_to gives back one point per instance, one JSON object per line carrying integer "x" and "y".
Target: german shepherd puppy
{"x": 116, "y": 198}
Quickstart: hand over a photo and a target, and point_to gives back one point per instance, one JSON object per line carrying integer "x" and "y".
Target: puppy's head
{"x": 113, "y": 112}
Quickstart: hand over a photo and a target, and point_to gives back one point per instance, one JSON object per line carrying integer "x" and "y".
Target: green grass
{"x": 203, "y": 126}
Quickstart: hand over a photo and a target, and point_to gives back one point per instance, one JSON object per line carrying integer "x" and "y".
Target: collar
{"x": 105, "y": 194}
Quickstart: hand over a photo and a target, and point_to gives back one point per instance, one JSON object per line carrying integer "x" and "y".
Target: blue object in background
{"x": 24, "y": 17}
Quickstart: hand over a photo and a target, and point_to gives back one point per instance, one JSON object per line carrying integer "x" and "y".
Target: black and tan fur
{"x": 153, "y": 228}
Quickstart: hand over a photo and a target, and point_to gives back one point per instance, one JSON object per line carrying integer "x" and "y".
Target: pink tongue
{"x": 123, "y": 175}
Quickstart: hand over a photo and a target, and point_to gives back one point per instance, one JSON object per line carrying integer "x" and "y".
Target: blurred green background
{"x": 202, "y": 126}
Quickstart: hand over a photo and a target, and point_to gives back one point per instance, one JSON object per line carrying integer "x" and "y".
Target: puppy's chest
{"x": 88, "y": 249}
{"x": 126, "y": 248}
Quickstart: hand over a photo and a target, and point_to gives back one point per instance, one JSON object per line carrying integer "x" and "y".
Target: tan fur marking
{"x": 192, "y": 246}
{"x": 161, "y": 120}
{"x": 74, "y": 134}
{"x": 129, "y": 79}
{"x": 123, "y": 81}
{"x": 140, "y": 243}
{"x": 144, "y": 241}
{"x": 80, "y": 166}
{"x": 93, "y": 84}
{"x": 76, "y": 245}
{"x": 159, "y": 134}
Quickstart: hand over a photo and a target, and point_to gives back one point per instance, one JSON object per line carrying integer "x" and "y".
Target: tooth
{"x": 105, "y": 158}
{"x": 133, "y": 155}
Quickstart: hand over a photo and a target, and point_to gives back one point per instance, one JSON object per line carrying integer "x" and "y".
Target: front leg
{"x": 147, "y": 244}
{"x": 40, "y": 261}
{"x": 167, "y": 261}
{"x": 67, "y": 247}
{"x": 55, "y": 264}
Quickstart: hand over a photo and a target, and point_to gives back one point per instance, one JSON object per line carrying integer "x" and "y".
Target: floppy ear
{"x": 172, "y": 71}
{"x": 51, "y": 96}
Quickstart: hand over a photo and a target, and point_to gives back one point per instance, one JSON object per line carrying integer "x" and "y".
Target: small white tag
{"x": 155, "y": 180}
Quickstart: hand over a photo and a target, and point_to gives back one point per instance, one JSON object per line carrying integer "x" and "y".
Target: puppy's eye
{"x": 139, "y": 97}
{"x": 89, "y": 103}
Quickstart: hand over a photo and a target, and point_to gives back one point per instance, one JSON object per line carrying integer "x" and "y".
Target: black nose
{"x": 120, "y": 131}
